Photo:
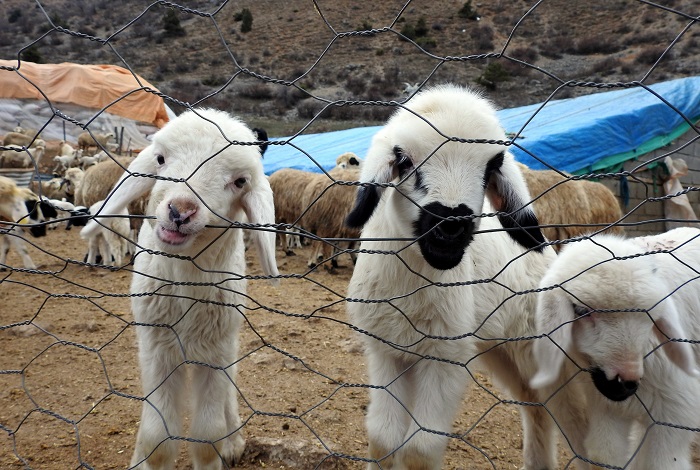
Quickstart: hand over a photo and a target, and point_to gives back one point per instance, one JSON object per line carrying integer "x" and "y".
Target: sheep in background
{"x": 348, "y": 160}
{"x": 22, "y": 157}
{"x": 88, "y": 161}
{"x": 66, "y": 149}
{"x": 572, "y": 207}
{"x": 22, "y": 140}
{"x": 326, "y": 204}
{"x": 99, "y": 181}
{"x": 18, "y": 205}
{"x": 85, "y": 140}
{"x": 608, "y": 309}
{"x": 201, "y": 286}
{"x": 62, "y": 163}
{"x": 421, "y": 234}
{"x": 111, "y": 239}
{"x": 287, "y": 188}
{"x": 59, "y": 188}
{"x": 52, "y": 189}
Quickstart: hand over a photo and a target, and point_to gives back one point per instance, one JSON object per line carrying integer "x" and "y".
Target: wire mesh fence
{"x": 444, "y": 326}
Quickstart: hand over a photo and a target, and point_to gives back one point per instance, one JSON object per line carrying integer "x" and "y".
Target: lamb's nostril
{"x": 174, "y": 214}
{"x": 629, "y": 386}
{"x": 449, "y": 230}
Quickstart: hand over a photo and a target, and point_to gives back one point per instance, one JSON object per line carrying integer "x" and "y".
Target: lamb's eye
{"x": 240, "y": 182}
{"x": 160, "y": 159}
{"x": 403, "y": 162}
{"x": 580, "y": 310}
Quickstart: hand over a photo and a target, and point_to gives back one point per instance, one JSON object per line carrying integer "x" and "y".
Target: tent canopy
{"x": 90, "y": 86}
{"x": 576, "y": 135}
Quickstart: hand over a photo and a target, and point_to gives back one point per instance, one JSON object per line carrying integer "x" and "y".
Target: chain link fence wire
{"x": 70, "y": 389}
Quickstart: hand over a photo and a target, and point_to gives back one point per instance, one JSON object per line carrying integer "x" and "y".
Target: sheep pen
{"x": 73, "y": 345}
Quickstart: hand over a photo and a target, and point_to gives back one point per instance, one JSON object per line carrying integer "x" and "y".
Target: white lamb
{"x": 111, "y": 240}
{"x": 609, "y": 304}
{"x": 438, "y": 288}
{"x": 194, "y": 295}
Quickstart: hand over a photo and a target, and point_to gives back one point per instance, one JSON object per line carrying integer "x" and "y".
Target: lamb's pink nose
{"x": 182, "y": 215}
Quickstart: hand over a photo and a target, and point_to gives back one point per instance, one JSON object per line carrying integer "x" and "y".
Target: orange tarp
{"x": 91, "y": 86}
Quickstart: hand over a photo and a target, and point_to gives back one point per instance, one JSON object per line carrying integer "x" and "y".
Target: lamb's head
{"x": 200, "y": 179}
{"x": 444, "y": 155}
{"x": 606, "y": 306}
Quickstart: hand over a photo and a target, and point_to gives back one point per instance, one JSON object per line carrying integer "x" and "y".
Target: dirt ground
{"x": 70, "y": 386}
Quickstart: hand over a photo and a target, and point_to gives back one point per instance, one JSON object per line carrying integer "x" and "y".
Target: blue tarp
{"x": 576, "y": 135}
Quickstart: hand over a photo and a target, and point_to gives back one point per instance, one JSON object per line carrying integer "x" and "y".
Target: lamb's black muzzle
{"x": 615, "y": 389}
{"x": 442, "y": 242}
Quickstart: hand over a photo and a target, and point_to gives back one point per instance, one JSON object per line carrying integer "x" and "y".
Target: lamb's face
{"x": 216, "y": 177}
{"x": 441, "y": 183}
{"x": 611, "y": 305}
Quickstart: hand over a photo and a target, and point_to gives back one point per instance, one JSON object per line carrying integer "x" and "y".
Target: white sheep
{"x": 62, "y": 163}
{"x": 198, "y": 290}
{"x": 87, "y": 161}
{"x": 608, "y": 304}
{"x": 66, "y": 149}
{"x": 111, "y": 239}
{"x": 440, "y": 289}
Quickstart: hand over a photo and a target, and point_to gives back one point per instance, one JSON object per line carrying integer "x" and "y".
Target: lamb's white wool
{"x": 420, "y": 341}
{"x": 608, "y": 305}
{"x": 199, "y": 292}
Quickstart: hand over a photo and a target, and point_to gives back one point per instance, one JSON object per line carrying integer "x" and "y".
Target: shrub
{"x": 468, "y": 12}
{"x": 32, "y": 54}
{"x": 246, "y": 21}
{"x": 171, "y": 25}
{"x": 257, "y": 91}
{"x": 493, "y": 74}
{"x": 595, "y": 45}
{"x": 14, "y": 15}
{"x": 650, "y": 54}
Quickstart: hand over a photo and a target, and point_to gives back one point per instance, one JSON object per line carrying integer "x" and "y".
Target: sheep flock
{"x": 461, "y": 263}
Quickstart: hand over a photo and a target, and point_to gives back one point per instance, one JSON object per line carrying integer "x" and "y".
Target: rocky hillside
{"x": 280, "y": 63}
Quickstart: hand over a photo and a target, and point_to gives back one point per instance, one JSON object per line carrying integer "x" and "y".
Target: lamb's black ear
{"x": 366, "y": 201}
{"x": 353, "y": 161}
{"x": 508, "y": 193}
{"x": 261, "y": 135}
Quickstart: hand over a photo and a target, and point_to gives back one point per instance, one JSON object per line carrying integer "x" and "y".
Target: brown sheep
{"x": 23, "y": 140}
{"x": 326, "y": 205}
{"x": 287, "y": 188}
{"x": 98, "y": 182}
{"x": 574, "y": 207}
{"x": 85, "y": 140}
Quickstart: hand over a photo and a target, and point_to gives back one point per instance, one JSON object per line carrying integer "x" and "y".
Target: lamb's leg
{"x": 607, "y": 443}
{"x": 568, "y": 408}
{"x": 539, "y": 442}
{"x": 439, "y": 389}
{"x": 20, "y": 246}
{"x": 665, "y": 446}
{"x": 387, "y": 419}
{"x": 163, "y": 384}
{"x": 215, "y": 415}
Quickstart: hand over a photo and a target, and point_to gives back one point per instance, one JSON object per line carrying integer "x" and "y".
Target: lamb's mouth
{"x": 171, "y": 237}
